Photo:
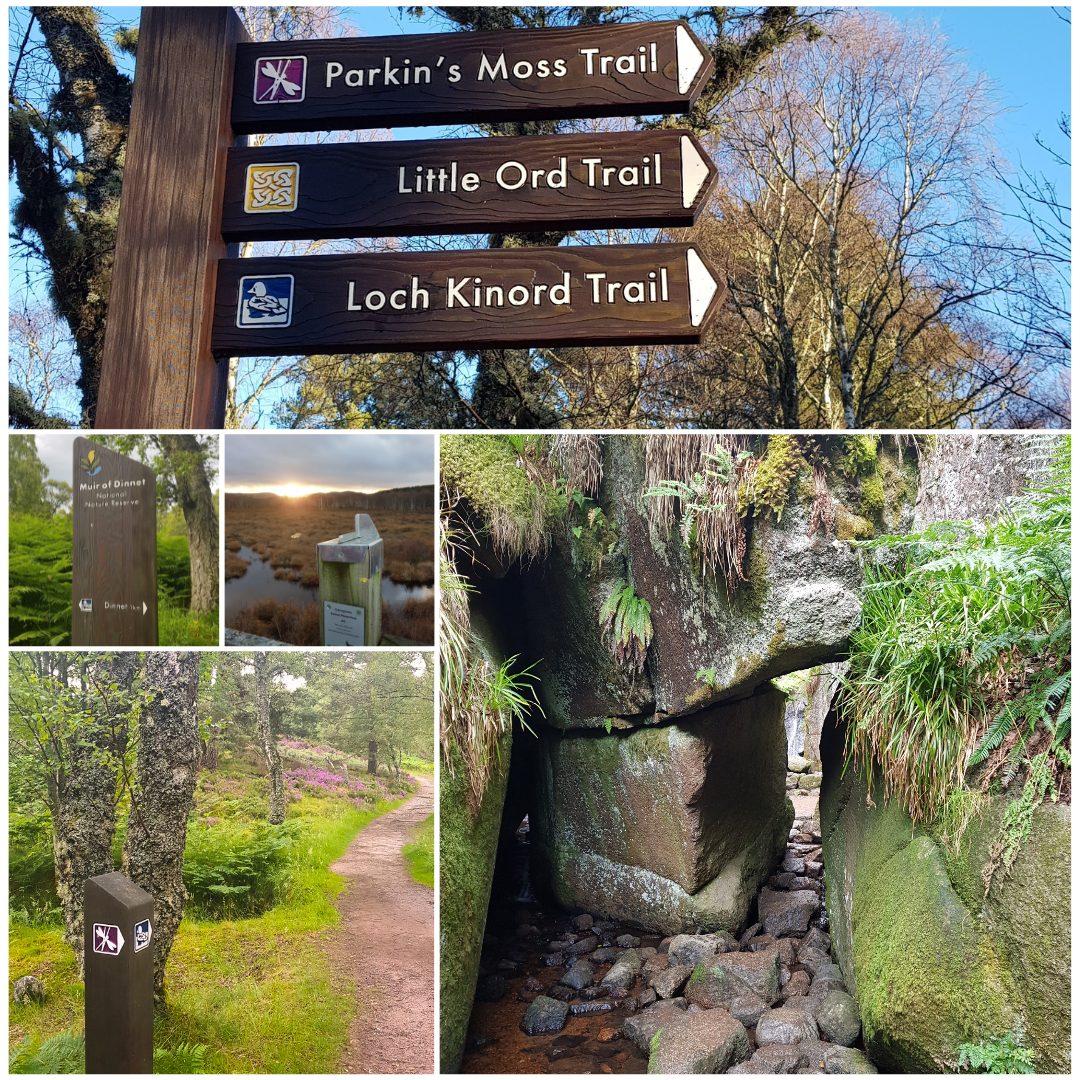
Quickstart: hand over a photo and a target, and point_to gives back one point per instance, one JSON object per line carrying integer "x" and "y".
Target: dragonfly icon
{"x": 280, "y": 79}
{"x": 107, "y": 938}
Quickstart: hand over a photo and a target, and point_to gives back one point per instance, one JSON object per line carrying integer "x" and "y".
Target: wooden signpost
{"x": 118, "y": 930}
{"x": 634, "y": 178}
{"x": 530, "y": 296}
{"x": 350, "y": 586}
{"x": 627, "y": 69}
{"x": 114, "y": 554}
{"x": 180, "y": 306}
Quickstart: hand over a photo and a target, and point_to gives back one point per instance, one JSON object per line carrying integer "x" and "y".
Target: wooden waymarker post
{"x": 624, "y": 69}
{"x": 157, "y": 369}
{"x": 118, "y": 932}
{"x": 114, "y": 549}
{"x": 635, "y": 178}
{"x": 604, "y": 295}
{"x": 350, "y": 586}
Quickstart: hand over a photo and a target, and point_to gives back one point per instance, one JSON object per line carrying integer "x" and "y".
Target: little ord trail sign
{"x": 182, "y": 304}
{"x": 417, "y": 187}
{"x": 114, "y": 549}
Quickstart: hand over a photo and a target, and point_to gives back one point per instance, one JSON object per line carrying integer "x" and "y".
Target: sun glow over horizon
{"x": 289, "y": 490}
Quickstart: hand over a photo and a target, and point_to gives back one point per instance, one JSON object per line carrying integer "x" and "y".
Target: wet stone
{"x": 747, "y": 1009}
{"x": 641, "y": 1028}
{"x": 608, "y": 1034}
{"x": 670, "y": 982}
{"x": 646, "y": 998}
{"x": 785, "y": 1025}
{"x": 844, "y": 1060}
{"x": 838, "y": 1018}
{"x": 589, "y": 1008}
{"x": 623, "y": 972}
{"x": 579, "y": 976}
{"x": 749, "y": 934}
{"x": 533, "y": 983}
{"x": 705, "y": 1042}
{"x": 785, "y": 947}
{"x": 583, "y": 922}
{"x": 627, "y": 941}
{"x": 829, "y": 977}
{"x": 797, "y": 986}
{"x": 585, "y": 945}
{"x": 557, "y": 946}
{"x": 605, "y": 955}
{"x": 562, "y": 992}
{"x": 554, "y": 959}
{"x": 591, "y": 993}
{"x": 544, "y": 1016}
{"x": 762, "y": 941}
{"x": 787, "y": 914}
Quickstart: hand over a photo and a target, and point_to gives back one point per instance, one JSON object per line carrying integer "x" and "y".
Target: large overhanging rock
{"x": 671, "y": 827}
{"x": 798, "y": 608}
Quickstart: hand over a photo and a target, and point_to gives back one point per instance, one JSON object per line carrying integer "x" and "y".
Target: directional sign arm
{"x": 627, "y": 69}
{"x": 605, "y": 295}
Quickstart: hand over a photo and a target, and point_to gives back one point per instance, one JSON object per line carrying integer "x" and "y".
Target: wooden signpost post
{"x": 114, "y": 554}
{"x": 118, "y": 931}
{"x": 529, "y": 296}
{"x": 625, "y": 179}
{"x": 180, "y": 308}
{"x": 626, "y": 69}
{"x": 350, "y": 586}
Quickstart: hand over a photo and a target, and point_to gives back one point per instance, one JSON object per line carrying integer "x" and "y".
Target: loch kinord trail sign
{"x": 114, "y": 549}
{"x": 641, "y": 293}
{"x": 181, "y": 305}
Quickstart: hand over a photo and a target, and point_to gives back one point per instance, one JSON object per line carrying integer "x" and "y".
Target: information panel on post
{"x": 633, "y": 293}
{"x": 626, "y": 69}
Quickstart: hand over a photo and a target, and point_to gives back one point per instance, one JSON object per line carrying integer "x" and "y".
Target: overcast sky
{"x": 357, "y": 461}
{"x": 54, "y": 450}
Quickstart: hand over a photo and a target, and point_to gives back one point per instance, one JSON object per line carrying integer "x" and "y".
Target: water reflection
{"x": 259, "y": 583}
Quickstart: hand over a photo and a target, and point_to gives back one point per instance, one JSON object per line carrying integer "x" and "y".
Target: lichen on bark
{"x": 266, "y": 738}
{"x": 165, "y": 772}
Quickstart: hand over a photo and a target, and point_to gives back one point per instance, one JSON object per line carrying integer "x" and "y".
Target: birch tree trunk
{"x": 83, "y": 786}
{"x": 266, "y": 737}
{"x": 166, "y": 770}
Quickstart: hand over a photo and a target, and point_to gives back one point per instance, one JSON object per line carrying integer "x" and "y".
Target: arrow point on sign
{"x": 119, "y": 941}
{"x": 703, "y": 286}
{"x": 696, "y": 169}
{"x": 144, "y": 607}
{"x": 689, "y": 56}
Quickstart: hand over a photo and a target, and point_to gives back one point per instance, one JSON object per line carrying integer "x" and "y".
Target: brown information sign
{"x": 114, "y": 556}
{"x": 646, "y": 179}
{"x": 615, "y": 70}
{"x": 643, "y": 293}
{"x": 118, "y": 932}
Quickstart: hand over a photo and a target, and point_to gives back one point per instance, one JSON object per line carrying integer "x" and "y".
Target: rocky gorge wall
{"x": 657, "y": 795}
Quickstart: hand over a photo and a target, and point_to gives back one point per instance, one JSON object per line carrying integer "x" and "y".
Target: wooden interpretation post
{"x": 158, "y": 371}
{"x": 114, "y": 549}
{"x": 119, "y": 1002}
{"x": 350, "y": 586}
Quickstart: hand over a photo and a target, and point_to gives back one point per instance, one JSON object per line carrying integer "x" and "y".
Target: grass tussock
{"x": 414, "y": 622}
{"x": 257, "y": 992}
{"x": 960, "y": 670}
{"x": 419, "y": 853}
{"x": 286, "y": 532}
{"x": 298, "y": 624}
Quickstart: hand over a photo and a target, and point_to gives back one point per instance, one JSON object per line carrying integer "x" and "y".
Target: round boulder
{"x": 838, "y": 1018}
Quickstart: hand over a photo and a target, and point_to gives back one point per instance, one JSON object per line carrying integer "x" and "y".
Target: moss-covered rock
{"x": 933, "y": 962}
{"x": 467, "y": 847}
{"x": 671, "y": 827}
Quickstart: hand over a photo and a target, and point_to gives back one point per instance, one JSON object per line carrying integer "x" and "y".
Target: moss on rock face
{"x": 927, "y": 978}
{"x": 467, "y": 848}
{"x": 486, "y": 470}
{"x": 933, "y": 963}
{"x": 851, "y": 526}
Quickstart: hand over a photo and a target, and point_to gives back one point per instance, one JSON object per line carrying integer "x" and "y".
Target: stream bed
{"x": 560, "y": 992}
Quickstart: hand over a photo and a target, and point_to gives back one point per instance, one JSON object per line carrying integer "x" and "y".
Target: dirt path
{"x": 386, "y": 942}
